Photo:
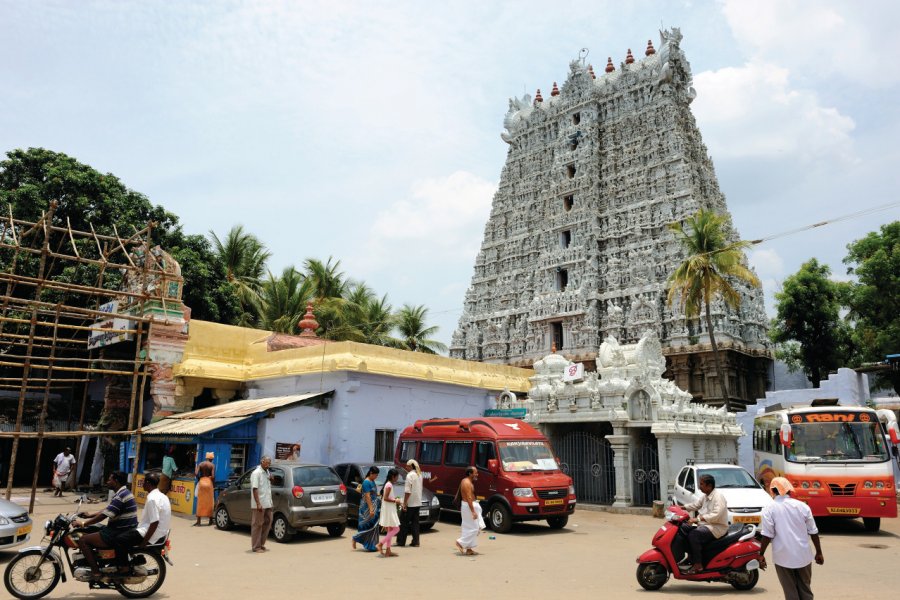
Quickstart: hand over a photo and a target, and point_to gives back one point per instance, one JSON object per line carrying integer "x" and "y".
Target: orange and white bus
{"x": 839, "y": 458}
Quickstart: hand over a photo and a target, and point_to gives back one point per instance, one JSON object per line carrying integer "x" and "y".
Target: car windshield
{"x": 527, "y": 455}
{"x": 312, "y": 476}
{"x": 837, "y": 441}
{"x": 382, "y": 476}
{"x": 731, "y": 478}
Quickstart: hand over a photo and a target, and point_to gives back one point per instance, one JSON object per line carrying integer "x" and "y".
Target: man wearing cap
{"x": 788, "y": 525}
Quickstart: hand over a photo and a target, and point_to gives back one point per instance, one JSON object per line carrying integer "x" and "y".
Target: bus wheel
{"x": 872, "y": 524}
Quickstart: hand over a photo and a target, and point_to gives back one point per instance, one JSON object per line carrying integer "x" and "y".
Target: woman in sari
{"x": 367, "y": 523}
{"x": 206, "y": 473}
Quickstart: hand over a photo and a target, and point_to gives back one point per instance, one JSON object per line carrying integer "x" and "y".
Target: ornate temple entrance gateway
{"x": 623, "y": 432}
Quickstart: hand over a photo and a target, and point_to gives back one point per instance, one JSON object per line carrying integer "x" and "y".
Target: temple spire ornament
{"x": 308, "y": 324}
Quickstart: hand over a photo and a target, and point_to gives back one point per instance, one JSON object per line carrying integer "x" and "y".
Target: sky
{"x": 370, "y": 131}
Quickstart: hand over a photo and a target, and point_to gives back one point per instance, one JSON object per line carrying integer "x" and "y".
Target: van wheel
{"x": 499, "y": 517}
{"x": 872, "y": 524}
{"x": 281, "y": 530}
{"x": 336, "y": 529}
{"x": 557, "y": 522}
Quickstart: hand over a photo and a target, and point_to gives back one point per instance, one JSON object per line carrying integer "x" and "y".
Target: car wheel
{"x": 872, "y": 524}
{"x": 281, "y": 530}
{"x": 499, "y": 517}
{"x": 336, "y": 529}
{"x": 223, "y": 520}
{"x": 558, "y": 522}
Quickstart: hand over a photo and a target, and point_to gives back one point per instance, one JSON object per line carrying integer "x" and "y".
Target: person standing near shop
{"x": 260, "y": 505}
{"x": 412, "y": 502}
{"x": 168, "y": 471}
{"x": 206, "y": 475}
{"x": 788, "y": 525}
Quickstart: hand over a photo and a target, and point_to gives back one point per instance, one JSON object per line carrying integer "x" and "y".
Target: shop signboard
{"x": 112, "y": 330}
{"x": 509, "y": 413}
{"x": 181, "y": 496}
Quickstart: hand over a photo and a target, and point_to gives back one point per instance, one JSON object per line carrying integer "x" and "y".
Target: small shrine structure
{"x": 623, "y": 432}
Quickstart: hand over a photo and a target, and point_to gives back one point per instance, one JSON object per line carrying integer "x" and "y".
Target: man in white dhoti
{"x": 470, "y": 514}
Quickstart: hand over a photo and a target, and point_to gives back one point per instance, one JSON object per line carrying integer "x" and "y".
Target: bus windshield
{"x": 838, "y": 441}
{"x": 527, "y": 455}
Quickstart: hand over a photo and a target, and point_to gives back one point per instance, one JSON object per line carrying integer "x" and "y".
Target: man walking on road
{"x": 412, "y": 502}
{"x": 260, "y": 505}
{"x": 471, "y": 522}
{"x": 62, "y": 469}
{"x": 788, "y": 525}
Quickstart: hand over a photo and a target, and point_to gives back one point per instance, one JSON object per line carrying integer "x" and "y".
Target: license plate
{"x": 423, "y": 512}
{"x": 843, "y": 510}
{"x": 23, "y": 530}
{"x": 556, "y": 502}
{"x": 322, "y": 497}
{"x": 746, "y": 519}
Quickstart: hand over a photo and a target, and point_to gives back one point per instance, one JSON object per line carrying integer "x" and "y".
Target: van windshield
{"x": 527, "y": 455}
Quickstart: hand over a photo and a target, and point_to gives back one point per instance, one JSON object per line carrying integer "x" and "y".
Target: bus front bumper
{"x": 851, "y": 506}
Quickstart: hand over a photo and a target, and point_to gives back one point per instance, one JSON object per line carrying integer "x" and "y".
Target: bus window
{"x": 459, "y": 454}
{"x": 430, "y": 453}
{"x": 484, "y": 451}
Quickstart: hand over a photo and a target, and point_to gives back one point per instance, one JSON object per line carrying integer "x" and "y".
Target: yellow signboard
{"x": 181, "y": 496}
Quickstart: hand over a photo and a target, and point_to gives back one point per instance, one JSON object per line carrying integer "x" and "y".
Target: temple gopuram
{"x": 577, "y": 247}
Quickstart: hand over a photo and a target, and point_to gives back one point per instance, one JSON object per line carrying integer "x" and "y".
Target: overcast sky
{"x": 370, "y": 131}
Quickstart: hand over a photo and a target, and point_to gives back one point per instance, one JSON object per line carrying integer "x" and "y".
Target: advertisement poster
{"x": 181, "y": 496}
{"x": 287, "y": 451}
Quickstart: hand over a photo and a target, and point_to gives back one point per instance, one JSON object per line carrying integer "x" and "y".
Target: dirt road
{"x": 592, "y": 558}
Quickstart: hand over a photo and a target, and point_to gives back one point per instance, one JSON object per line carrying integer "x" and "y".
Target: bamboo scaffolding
{"x": 43, "y": 421}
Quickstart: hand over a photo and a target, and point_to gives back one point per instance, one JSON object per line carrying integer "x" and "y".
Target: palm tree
{"x": 414, "y": 334}
{"x": 282, "y": 301}
{"x": 711, "y": 260}
{"x": 244, "y": 258}
{"x": 327, "y": 280}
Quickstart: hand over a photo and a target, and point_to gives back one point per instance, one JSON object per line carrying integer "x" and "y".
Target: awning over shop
{"x": 213, "y": 418}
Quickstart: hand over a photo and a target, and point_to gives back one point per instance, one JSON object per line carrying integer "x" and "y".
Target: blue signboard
{"x": 512, "y": 413}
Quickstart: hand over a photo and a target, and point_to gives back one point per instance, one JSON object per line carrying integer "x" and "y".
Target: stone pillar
{"x": 666, "y": 476}
{"x": 620, "y": 443}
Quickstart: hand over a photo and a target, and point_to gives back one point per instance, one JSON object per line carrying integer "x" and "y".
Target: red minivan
{"x": 518, "y": 473}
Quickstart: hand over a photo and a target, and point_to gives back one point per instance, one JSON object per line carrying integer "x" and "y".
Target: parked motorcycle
{"x": 35, "y": 571}
{"x": 733, "y": 558}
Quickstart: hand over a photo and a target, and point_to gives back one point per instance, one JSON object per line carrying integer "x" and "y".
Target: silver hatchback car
{"x": 303, "y": 496}
{"x": 15, "y": 524}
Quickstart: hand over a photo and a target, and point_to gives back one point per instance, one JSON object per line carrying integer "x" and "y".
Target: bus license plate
{"x": 746, "y": 520}
{"x": 322, "y": 497}
{"x": 556, "y": 502}
{"x": 23, "y": 530}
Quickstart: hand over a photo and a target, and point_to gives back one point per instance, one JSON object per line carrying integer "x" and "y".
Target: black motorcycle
{"x": 35, "y": 571}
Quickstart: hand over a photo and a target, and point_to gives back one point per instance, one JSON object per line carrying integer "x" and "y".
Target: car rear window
{"x": 315, "y": 476}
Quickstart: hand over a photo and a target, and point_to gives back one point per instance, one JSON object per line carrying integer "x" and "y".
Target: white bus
{"x": 839, "y": 458}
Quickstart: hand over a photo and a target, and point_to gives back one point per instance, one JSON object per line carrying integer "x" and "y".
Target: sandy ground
{"x": 594, "y": 557}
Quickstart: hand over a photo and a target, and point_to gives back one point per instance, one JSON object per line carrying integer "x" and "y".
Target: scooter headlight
{"x": 47, "y": 527}
{"x": 669, "y": 515}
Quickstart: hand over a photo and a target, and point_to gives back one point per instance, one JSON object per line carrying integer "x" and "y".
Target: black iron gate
{"x": 645, "y": 470}
{"x": 588, "y": 460}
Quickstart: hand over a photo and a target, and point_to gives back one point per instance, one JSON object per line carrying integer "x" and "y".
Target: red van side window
{"x": 431, "y": 452}
{"x": 407, "y": 451}
{"x": 459, "y": 454}
{"x": 484, "y": 452}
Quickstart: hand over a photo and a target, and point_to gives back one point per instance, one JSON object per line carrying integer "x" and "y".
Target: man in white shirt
{"x": 153, "y": 526}
{"x": 62, "y": 468}
{"x": 412, "y": 502}
{"x": 788, "y": 525}
{"x": 711, "y": 520}
{"x": 260, "y": 505}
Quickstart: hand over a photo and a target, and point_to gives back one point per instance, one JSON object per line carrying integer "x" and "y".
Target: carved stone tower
{"x": 577, "y": 246}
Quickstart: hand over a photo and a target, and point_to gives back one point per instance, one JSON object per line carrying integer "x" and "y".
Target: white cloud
{"x": 440, "y": 221}
{"x": 826, "y": 38}
{"x": 767, "y": 263}
{"x": 753, "y": 111}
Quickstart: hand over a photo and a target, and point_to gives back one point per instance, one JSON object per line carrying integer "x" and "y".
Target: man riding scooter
{"x": 711, "y": 520}
{"x": 122, "y": 514}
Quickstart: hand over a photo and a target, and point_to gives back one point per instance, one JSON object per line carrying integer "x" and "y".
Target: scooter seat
{"x": 733, "y": 534}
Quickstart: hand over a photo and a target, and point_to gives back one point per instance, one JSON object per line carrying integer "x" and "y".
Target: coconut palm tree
{"x": 244, "y": 258}
{"x": 327, "y": 279}
{"x": 706, "y": 272}
{"x": 414, "y": 334}
{"x": 282, "y": 300}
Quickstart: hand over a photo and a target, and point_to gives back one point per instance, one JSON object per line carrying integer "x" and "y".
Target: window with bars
{"x": 384, "y": 445}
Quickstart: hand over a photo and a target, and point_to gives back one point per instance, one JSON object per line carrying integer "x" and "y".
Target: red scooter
{"x": 733, "y": 558}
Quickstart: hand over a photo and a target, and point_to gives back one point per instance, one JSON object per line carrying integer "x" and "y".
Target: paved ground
{"x": 592, "y": 558}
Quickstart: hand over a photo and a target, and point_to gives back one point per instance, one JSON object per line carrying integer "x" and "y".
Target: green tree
{"x": 704, "y": 274}
{"x": 243, "y": 257}
{"x": 282, "y": 301}
{"x": 808, "y": 312}
{"x": 327, "y": 279}
{"x": 874, "y": 297}
{"x": 415, "y": 334}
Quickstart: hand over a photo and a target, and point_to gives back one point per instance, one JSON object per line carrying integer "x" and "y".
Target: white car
{"x": 15, "y": 524}
{"x": 745, "y": 497}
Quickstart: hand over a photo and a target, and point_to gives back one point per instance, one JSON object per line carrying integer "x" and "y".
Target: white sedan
{"x": 744, "y": 495}
{"x": 15, "y": 524}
